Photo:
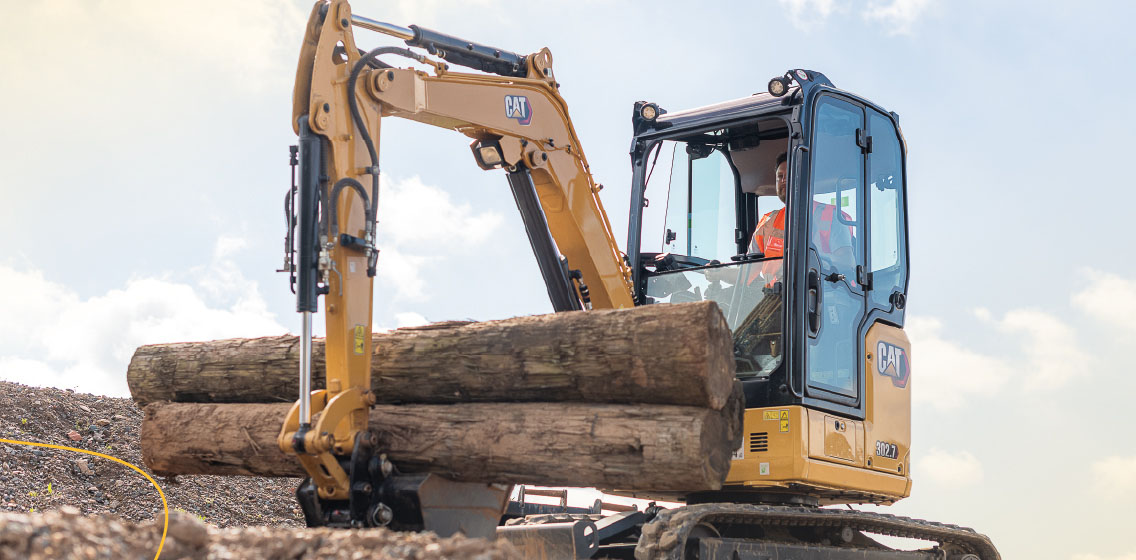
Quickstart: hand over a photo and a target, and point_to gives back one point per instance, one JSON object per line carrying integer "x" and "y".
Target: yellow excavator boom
{"x": 339, "y": 100}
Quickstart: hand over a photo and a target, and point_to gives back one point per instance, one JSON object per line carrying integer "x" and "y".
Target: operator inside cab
{"x": 724, "y": 238}
{"x": 724, "y": 234}
{"x": 769, "y": 237}
{"x": 835, "y": 238}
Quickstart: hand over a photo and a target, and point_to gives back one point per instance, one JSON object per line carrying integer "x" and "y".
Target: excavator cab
{"x": 817, "y": 315}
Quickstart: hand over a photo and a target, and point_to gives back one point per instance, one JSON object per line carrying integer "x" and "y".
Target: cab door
{"x": 835, "y": 298}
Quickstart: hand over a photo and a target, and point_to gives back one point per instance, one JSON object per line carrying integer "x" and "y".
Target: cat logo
{"x": 891, "y": 361}
{"x": 518, "y": 107}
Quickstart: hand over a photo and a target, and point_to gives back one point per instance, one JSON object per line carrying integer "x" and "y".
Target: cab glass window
{"x": 887, "y": 260}
{"x": 701, "y": 216}
{"x": 834, "y": 231}
{"x": 713, "y": 200}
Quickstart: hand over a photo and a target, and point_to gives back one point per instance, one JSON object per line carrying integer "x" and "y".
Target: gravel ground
{"x": 34, "y": 479}
{"x": 64, "y": 504}
{"x": 65, "y": 533}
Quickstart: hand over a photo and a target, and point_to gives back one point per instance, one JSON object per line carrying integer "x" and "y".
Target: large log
{"x": 659, "y": 354}
{"x": 662, "y": 448}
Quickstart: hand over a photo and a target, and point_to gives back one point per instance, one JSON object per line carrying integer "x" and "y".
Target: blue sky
{"x": 145, "y": 161}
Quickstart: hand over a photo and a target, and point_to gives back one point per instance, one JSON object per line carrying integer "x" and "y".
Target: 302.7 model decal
{"x": 888, "y": 450}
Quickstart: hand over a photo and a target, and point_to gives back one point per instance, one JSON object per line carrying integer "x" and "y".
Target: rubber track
{"x": 664, "y": 538}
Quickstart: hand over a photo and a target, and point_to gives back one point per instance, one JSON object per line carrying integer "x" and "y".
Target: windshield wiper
{"x": 671, "y": 261}
{"x": 748, "y": 257}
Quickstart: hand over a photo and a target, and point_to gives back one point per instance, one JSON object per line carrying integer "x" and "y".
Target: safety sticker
{"x": 739, "y": 453}
{"x": 771, "y": 415}
{"x": 360, "y": 334}
{"x": 763, "y": 469}
{"x": 784, "y": 421}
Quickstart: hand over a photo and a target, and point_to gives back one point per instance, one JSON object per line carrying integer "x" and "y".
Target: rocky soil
{"x": 65, "y": 533}
{"x": 34, "y": 479}
{"x": 65, "y": 504}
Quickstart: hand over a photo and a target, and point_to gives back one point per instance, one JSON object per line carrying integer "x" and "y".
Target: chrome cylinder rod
{"x": 306, "y": 369}
{"x": 403, "y": 33}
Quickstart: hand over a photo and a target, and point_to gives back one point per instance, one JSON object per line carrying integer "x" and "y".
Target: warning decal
{"x": 360, "y": 334}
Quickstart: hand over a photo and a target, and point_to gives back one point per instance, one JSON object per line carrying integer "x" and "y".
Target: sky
{"x": 144, "y": 158}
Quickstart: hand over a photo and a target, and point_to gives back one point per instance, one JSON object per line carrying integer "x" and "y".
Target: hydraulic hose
{"x": 334, "y": 199}
{"x": 373, "y": 170}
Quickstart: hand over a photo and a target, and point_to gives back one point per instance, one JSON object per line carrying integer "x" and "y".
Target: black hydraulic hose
{"x": 353, "y": 103}
{"x": 334, "y": 202}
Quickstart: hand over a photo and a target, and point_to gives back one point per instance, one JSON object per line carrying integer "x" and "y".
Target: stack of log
{"x": 641, "y": 399}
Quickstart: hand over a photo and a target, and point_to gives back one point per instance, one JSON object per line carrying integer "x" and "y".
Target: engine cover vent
{"x": 758, "y": 442}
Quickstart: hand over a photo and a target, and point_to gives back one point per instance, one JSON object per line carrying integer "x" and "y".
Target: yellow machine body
{"x": 839, "y": 460}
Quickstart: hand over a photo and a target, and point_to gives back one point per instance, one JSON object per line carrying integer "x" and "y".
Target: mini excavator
{"x": 817, "y": 319}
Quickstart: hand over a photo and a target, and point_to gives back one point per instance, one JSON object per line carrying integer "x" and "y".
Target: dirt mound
{"x": 65, "y": 533}
{"x": 64, "y": 504}
{"x": 34, "y": 479}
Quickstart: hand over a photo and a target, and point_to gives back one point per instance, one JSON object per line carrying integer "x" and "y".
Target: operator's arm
{"x": 840, "y": 245}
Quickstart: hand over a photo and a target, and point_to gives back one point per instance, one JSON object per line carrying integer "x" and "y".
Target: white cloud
{"x": 251, "y": 43}
{"x": 57, "y": 338}
{"x": 222, "y": 280}
{"x": 1109, "y": 298}
{"x": 413, "y": 214}
{"x": 945, "y": 373}
{"x": 410, "y": 319}
{"x": 1115, "y": 476}
{"x": 419, "y": 226}
{"x": 948, "y": 469}
{"x": 425, "y": 12}
{"x": 898, "y": 15}
{"x": 808, "y": 14}
{"x": 403, "y": 272}
{"x": 1052, "y": 355}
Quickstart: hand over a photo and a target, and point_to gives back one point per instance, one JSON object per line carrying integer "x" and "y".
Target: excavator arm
{"x": 518, "y": 122}
{"x": 522, "y": 125}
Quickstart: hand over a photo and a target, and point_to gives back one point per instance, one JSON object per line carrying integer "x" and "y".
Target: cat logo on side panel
{"x": 891, "y": 361}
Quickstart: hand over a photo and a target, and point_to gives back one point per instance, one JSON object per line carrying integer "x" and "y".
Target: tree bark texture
{"x": 658, "y": 354}
{"x": 631, "y": 447}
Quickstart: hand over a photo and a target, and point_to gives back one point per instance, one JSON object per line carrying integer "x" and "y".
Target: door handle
{"x": 814, "y": 302}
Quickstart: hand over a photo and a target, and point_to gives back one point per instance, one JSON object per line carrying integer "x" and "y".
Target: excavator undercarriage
{"x": 739, "y": 531}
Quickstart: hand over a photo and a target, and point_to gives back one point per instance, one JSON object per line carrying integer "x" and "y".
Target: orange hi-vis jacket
{"x": 769, "y": 237}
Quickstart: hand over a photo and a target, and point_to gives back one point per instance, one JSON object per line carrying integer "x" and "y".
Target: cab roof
{"x": 753, "y": 105}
